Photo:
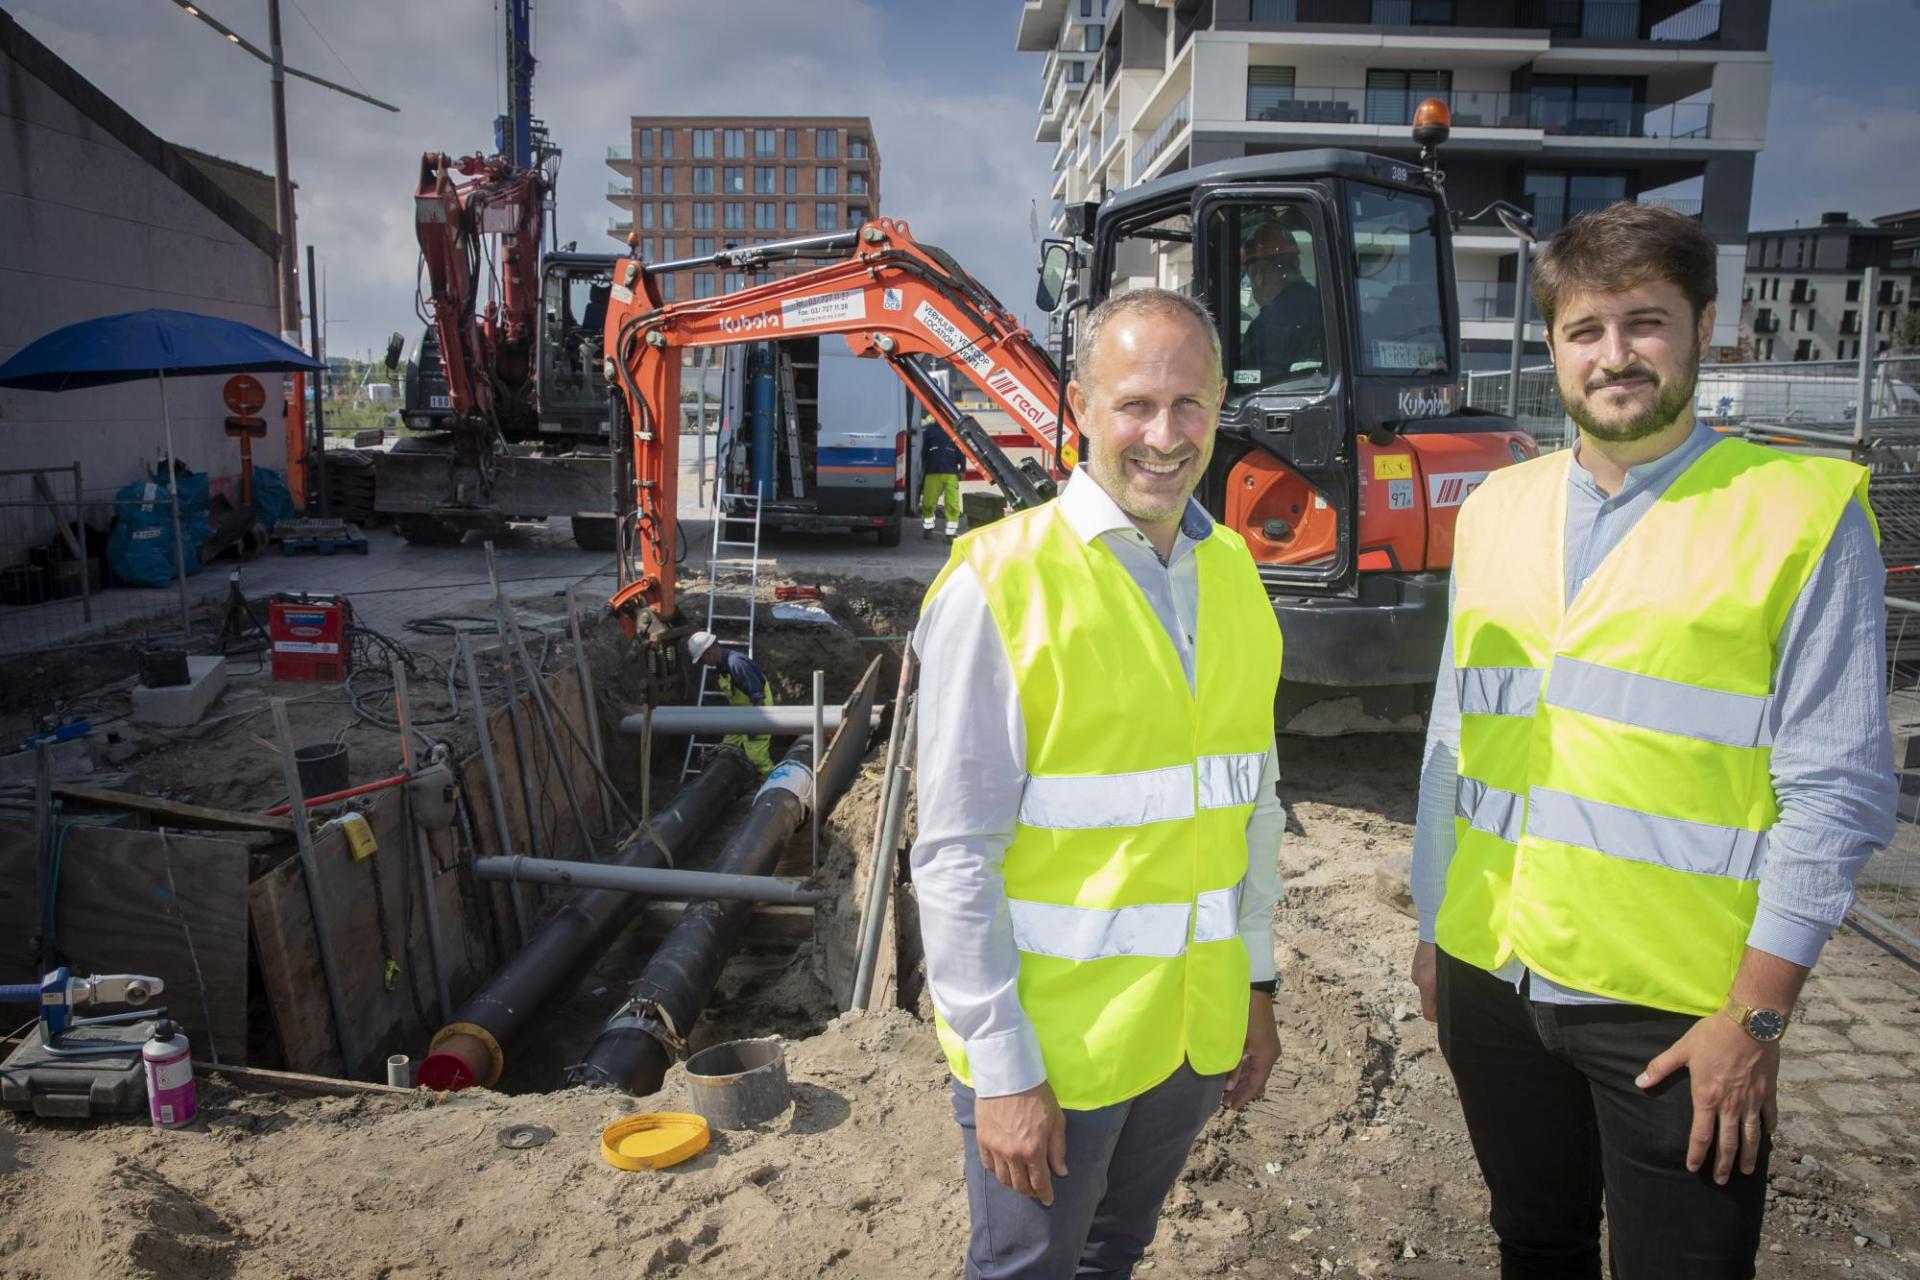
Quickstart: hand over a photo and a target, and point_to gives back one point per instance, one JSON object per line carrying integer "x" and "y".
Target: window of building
{"x": 826, "y": 144}
{"x": 1557, "y": 195}
{"x": 792, "y": 186}
{"x": 826, "y": 217}
{"x": 1793, "y": 320}
{"x": 857, "y": 147}
{"x": 826, "y": 182}
{"x": 735, "y": 216}
{"x": 856, "y": 216}
{"x": 793, "y": 144}
{"x": 666, "y": 249}
{"x": 666, "y": 181}
{"x": 792, "y": 214}
{"x": 1076, "y": 73}
{"x": 646, "y": 249}
{"x": 1849, "y": 322}
{"x": 1413, "y": 13}
{"x": 1268, "y": 88}
{"x": 703, "y": 180}
{"x": 666, "y": 216}
{"x": 766, "y": 143}
{"x": 1096, "y": 35}
{"x": 646, "y": 142}
{"x": 1592, "y": 106}
{"x": 733, "y": 180}
{"x": 1853, "y": 291}
{"x": 1393, "y": 95}
{"x": 763, "y": 180}
{"x": 703, "y": 215}
{"x": 857, "y": 184}
{"x": 1275, "y": 11}
{"x": 736, "y": 144}
{"x": 646, "y": 216}
{"x": 666, "y": 144}
{"x": 703, "y": 246}
{"x": 734, "y": 281}
{"x": 703, "y": 284}
{"x": 646, "y": 180}
{"x": 669, "y": 286}
{"x": 765, "y": 216}
{"x": 703, "y": 144}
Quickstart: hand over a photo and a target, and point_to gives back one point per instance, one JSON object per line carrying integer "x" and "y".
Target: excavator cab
{"x": 1341, "y": 455}
{"x": 574, "y": 292}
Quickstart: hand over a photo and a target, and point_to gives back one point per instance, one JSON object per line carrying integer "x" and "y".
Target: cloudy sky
{"x": 953, "y": 106}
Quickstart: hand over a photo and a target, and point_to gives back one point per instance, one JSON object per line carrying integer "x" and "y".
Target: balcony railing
{"x": 1485, "y": 109}
{"x": 1802, "y": 295}
{"x": 615, "y": 191}
{"x": 1275, "y": 11}
{"x": 1764, "y": 321}
{"x": 1888, "y": 296}
{"x": 1620, "y": 21}
{"x": 1850, "y": 323}
{"x": 619, "y": 153}
{"x": 1491, "y": 300}
{"x": 619, "y": 227}
{"x": 1162, "y": 137}
{"x": 1413, "y": 13}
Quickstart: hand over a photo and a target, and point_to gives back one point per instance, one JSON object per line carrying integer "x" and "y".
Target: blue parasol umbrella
{"x": 150, "y": 344}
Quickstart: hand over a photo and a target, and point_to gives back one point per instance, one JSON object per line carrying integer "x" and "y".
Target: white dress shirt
{"x": 972, "y": 770}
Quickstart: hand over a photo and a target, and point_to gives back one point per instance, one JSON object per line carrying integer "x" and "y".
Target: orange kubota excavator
{"x": 1342, "y": 456}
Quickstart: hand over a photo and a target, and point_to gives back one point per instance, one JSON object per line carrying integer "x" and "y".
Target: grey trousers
{"x": 1121, "y": 1162}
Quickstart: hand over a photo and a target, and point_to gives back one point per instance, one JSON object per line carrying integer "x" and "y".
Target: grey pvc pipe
{"x": 724, "y": 718}
{"x": 661, "y": 882}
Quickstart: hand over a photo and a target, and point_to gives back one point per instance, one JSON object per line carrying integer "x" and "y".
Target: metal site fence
{"x": 1889, "y": 887}
{"x": 1811, "y": 402}
{"x": 56, "y": 591}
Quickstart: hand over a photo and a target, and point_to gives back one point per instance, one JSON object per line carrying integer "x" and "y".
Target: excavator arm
{"x": 890, "y": 298}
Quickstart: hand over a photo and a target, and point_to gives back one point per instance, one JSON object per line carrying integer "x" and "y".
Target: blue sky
{"x": 953, "y": 104}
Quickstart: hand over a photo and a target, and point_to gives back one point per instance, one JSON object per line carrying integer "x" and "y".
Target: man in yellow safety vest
{"x": 743, "y": 684}
{"x": 1658, "y": 757}
{"x": 1098, "y": 823}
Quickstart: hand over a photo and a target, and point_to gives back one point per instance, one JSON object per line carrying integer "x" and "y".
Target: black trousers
{"x": 1558, "y": 1125}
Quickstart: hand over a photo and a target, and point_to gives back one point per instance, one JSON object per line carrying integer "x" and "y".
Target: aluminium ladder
{"x": 791, "y": 403}
{"x": 732, "y": 580}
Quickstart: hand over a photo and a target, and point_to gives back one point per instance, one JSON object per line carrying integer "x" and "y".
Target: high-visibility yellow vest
{"x": 1124, "y": 875}
{"x": 759, "y": 747}
{"x": 1615, "y": 790}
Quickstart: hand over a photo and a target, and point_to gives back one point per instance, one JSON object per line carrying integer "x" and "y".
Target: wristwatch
{"x": 1764, "y": 1025}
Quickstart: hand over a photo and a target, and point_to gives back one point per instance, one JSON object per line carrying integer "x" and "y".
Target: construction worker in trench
{"x": 1657, "y": 759}
{"x": 744, "y": 685}
{"x": 1096, "y": 862}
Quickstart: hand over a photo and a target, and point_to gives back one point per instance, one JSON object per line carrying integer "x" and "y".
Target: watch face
{"x": 1766, "y": 1024}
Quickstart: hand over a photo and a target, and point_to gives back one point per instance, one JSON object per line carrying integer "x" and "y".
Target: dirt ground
{"x": 1354, "y": 1164}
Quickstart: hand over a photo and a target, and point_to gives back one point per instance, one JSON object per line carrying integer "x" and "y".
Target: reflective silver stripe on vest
{"x": 1153, "y": 929}
{"x": 1090, "y": 801}
{"x": 1216, "y": 914}
{"x": 1498, "y": 691}
{"x": 1698, "y": 847}
{"x": 1227, "y": 781}
{"x": 1091, "y": 933}
{"x": 1709, "y": 715}
{"x": 1489, "y": 809}
{"x": 1082, "y": 802}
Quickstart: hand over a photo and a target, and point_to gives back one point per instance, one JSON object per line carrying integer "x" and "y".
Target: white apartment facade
{"x": 1558, "y": 105}
{"x": 1805, "y": 294}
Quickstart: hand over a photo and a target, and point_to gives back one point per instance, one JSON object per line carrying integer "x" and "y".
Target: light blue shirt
{"x": 1832, "y": 750}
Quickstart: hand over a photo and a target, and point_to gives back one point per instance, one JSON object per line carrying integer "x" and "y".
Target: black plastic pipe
{"x": 472, "y": 1048}
{"x": 647, "y": 1032}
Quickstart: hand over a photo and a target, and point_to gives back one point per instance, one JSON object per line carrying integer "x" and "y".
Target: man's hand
{"x": 1426, "y": 976}
{"x": 1023, "y": 1140}
{"x": 1733, "y": 1091}
{"x": 1249, "y": 1079}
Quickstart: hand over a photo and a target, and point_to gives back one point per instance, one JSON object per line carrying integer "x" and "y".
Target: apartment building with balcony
{"x": 1558, "y": 105}
{"x": 1804, "y": 296}
{"x": 689, "y": 186}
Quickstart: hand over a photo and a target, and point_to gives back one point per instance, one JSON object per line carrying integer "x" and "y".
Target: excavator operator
{"x": 1287, "y": 331}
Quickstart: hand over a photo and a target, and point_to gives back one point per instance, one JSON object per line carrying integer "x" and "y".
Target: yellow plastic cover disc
{"x": 653, "y": 1140}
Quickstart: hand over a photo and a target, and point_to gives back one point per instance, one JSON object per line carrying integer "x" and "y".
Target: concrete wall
{"x": 89, "y": 227}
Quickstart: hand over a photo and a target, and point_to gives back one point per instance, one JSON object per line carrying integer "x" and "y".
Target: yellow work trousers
{"x": 938, "y": 485}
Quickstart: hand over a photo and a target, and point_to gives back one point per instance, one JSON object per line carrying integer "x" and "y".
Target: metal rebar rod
{"x": 422, "y": 853}
{"x": 722, "y": 718}
{"x": 544, "y": 714}
{"x": 536, "y": 838}
{"x": 589, "y": 710}
{"x": 552, "y": 714}
{"x": 479, "y": 705}
{"x": 873, "y": 912}
{"x": 316, "y": 898}
{"x": 660, "y": 882}
{"x": 819, "y": 735}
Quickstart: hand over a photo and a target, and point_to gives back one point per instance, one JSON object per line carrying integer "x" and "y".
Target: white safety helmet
{"x": 698, "y": 643}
